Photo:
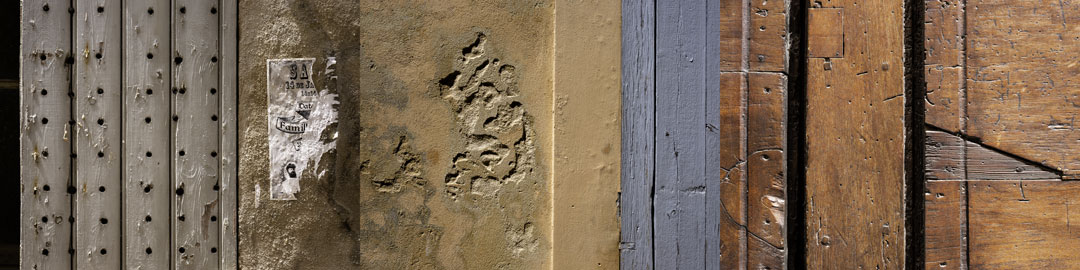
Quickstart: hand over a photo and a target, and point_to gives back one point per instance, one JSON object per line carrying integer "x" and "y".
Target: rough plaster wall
{"x": 440, "y": 160}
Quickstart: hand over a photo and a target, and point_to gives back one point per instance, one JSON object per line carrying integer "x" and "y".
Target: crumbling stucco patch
{"x": 379, "y": 199}
{"x": 499, "y": 138}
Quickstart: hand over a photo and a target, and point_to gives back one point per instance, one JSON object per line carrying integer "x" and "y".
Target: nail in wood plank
{"x": 98, "y": 116}
{"x": 45, "y": 148}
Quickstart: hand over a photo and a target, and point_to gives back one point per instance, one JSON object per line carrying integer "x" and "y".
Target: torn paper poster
{"x": 297, "y": 115}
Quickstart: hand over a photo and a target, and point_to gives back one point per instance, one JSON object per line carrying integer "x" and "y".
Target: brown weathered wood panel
{"x": 989, "y": 164}
{"x": 943, "y": 97}
{"x": 725, "y": 171}
{"x": 946, "y": 225}
{"x": 724, "y": 30}
{"x": 768, "y": 32}
{"x": 1023, "y": 225}
{"x": 855, "y": 141}
{"x": 944, "y": 156}
{"x": 766, "y": 164}
{"x": 1022, "y": 80}
{"x": 826, "y": 40}
{"x": 944, "y": 28}
{"x": 762, "y": 255}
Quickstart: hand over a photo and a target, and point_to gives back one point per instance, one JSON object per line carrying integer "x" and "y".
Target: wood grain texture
{"x": 1023, "y": 224}
{"x": 1022, "y": 82}
{"x": 944, "y": 73}
{"x": 724, "y": 27}
{"x": 768, "y": 35}
{"x": 679, "y": 220}
{"x": 45, "y": 149}
{"x": 229, "y": 247}
{"x": 195, "y": 140}
{"x": 766, "y": 163}
{"x": 703, "y": 110}
{"x": 946, "y": 225}
{"x": 725, "y": 169}
{"x": 827, "y": 40}
{"x": 983, "y": 163}
{"x": 944, "y": 156}
{"x": 98, "y": 145}
{"x": 147, "y": 195}
{"x": 855, "y": 181}
{"x": 944, "y": 103}
{"x": 638, "y": 67}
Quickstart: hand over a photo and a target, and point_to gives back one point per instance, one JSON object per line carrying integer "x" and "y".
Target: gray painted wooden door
{"x": 128, "y": 138}
{"x": 705, "y": 123}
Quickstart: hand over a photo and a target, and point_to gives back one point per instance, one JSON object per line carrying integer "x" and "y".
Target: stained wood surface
{"x": 638, "y": 65}
{"x": 855, "y": 181}
{"x": 944, "y": 72}
{"x": 196, "y": 151}
{"x": 1023, "y": 224}
{"x": 946, "y": 225}
{"x": 147, "y": 195}
{"x": 1022, "y": 84}
{"x": 945, "y": 159}
{"x": 766, "y": 166}
{"x": 45, "y": 152}
{"x": 768, "y": 50}
{"x": 726, "y": 169}
{"x": 826, "y": 41}
{"x": 98, "y": 111}
{"x": 989, "y": 164}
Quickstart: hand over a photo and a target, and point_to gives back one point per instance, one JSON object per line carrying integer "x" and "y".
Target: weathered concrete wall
{"x": 444, "y": 142}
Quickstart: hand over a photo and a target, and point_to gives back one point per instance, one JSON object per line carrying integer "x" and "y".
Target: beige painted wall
{"x": 587, "y": 134}
{"x": 467, "y": 129}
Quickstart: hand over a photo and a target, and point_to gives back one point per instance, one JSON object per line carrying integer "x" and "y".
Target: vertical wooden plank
{"x": 1022, "y": 85}
{"x": 98, "y": 107}
{"x": 766, "y": 167}
{"x": 680, "y": 129}
{"x": 768, "y": 35}
{"x": 856, "y": 140}
{"x": 946, "y": 225}
{"x": 944, "y": 26}
{"x": 1023, "y": 224}
{"x": 147, "y": 195}
{"x": 638, "y": 71}
{"x": 195, "y": 137}
{"x": 44, "y": 135}
{"x": 228, "y": 59}
{"x": 944, "y": 156}
{"x": 724, "y": 35}
{"x": 725, "y": 169}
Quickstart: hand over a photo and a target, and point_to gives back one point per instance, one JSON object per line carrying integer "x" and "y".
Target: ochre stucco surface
{"x": 447, "y": 118}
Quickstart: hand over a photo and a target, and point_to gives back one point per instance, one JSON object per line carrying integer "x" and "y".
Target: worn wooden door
{"x": 128, "y": 135}
{"x": 1002, "y": 145}
{"x": 705, "y": 144}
